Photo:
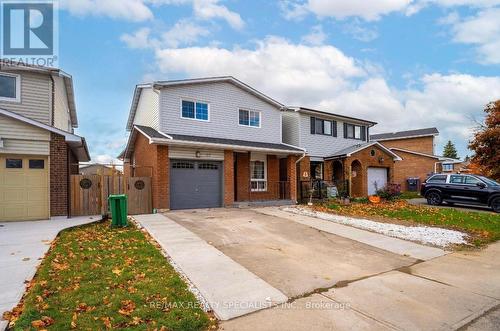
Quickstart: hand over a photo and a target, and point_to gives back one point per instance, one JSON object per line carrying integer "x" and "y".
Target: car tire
{"x": 495, "y": 204}
{"x": 434, "y": 198}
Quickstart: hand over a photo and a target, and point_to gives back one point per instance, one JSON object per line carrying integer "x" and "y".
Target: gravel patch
{"x": 423, "y": 234}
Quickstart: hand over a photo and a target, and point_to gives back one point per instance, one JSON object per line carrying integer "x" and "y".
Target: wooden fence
{"x": 89, "y": 194}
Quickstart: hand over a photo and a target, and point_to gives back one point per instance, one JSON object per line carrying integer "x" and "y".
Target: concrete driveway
{"x": 294, "y": 258}
{"x": 336, "y": 283}
{"x": 22, "y": 247}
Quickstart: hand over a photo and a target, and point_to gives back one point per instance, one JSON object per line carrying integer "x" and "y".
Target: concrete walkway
{"x": 22, "y": 247}
{"x": 230, "y": 289}
{"x": 393, "y": 245}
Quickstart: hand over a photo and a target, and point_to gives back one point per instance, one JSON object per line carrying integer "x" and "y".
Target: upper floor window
{"x": 324, "y": 127}
{"x": 352, "y": 131}
{"x": 10, "y": 86}
{"x": 194, "y": 110}
{"x": 447, "y": 166}
{"x": 249, "y": 118}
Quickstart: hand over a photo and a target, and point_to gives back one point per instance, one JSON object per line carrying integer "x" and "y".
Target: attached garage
{"x": 195, "y": 184}
{"x": 377, "y": 179}
{"x": 24, "y": 188}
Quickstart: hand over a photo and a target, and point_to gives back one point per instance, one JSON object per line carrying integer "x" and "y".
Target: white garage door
{"x": 377, "y": 179}
{"x": 24, "y": 188}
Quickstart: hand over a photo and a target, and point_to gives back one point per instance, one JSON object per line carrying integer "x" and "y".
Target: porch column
{"x": 228, "y": 178}
{"x": 291, "y": 168}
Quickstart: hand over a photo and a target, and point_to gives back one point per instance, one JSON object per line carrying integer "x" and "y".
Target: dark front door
{"x": 195, "y": 184}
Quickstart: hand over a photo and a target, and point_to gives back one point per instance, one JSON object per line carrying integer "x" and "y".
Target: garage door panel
{"x": 377, "y": 179}
{"x": 195, "y": 184}
{"x": 23, "y": 192}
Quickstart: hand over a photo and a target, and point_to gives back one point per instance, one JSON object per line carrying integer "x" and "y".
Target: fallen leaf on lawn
{"x": 128, "y": 306}
{"x": 136, "y": 320}
{"x": 47, "y": 320}
{"x": 116, "y": 271}
{"x": 107, "y": 322}
{"x": 73, "y": 320}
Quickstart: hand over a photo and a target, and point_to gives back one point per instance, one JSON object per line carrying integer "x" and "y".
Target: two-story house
{"x": 417, "y": 149}
{"x": 209, "y": 142}
{"x": 339, "y": 151}
{"x": 38, "y": 148}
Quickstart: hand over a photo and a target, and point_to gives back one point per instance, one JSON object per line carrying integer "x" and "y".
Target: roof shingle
{"x": 405, "y": 134}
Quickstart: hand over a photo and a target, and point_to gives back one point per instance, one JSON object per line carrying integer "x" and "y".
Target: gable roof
{"x": 156, "y": 137}
{"x": 76, "y": 143}
{"x": 440, "y": 158}
{"x": 223, "y": 79}
{"x": 68, "y": 83}
{"x": 325, "y": 113}
{"x": 349, "y": 151}
{"x": 405, "y": 134}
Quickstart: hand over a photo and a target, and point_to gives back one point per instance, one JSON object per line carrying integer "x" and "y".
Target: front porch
{"x": 358, "y": 171}
{"x": 261, "y": 178}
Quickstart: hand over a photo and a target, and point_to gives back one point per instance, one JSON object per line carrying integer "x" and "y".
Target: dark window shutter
{"x": 363, "y": 133}
{"x": 367, "y": 134}
{"x": 345, "y": 130}
{"x": 313, "y": 125}
{"x": 334, "y": 128}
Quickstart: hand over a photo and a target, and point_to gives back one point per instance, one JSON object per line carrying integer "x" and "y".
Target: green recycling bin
{"x": 118, "y": 207}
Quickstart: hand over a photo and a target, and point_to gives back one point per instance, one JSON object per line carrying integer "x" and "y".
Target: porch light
{"x": 198, "y": 154}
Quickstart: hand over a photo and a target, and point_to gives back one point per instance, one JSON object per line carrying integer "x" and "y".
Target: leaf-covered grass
{"x": 483, "y": 227}
{"x": 97, "y": 278}
{"x": 409, "y": 195}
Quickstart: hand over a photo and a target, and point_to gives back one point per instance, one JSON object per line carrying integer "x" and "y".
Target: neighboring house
{"x": 209, "y": 143}
{"x": 38, "y": 149}
{"x": 99, "y": 169}
{"x": 417, "y": 150}
{"x": 339, "y": 151}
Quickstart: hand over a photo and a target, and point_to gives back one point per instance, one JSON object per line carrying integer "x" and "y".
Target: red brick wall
{"x": 292, "y": 176}
{"x": 422, "y": 145}
{"x": 242, "y": 176}
{"x": 228, "y": 178}
{"x": 152, "y": 161}
{"x": 360, "y": 185}
{"x": 412, "y": 166}
{"x": 243, "y": 179}
{"x": 59, "y": 176}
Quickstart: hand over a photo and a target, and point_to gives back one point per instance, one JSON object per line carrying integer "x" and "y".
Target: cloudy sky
{"x": 404, "y": 64}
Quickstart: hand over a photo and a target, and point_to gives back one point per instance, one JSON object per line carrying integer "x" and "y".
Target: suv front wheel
{"x": 434, "y": 198}
{"x": 495, "y": 204}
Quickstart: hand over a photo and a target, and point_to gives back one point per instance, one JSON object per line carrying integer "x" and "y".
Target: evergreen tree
{"x": 450, "y": 150}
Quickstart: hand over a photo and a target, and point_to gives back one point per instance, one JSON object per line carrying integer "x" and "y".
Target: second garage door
{"x": 24, "y": 188}
{"x": 377, "y": 179}
{"x": 195, "y": 184}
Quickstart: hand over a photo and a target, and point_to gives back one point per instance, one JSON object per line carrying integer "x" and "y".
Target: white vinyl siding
{"x": 321, "y": 145}
{"x": 225, "y": 100}
{"x": 62, "y": 118}
{"x": 147, "y": 113}
{"x": 21, "y": 138}
{"x": 182, "y": 153}
{"x": 291, "y": 128}
{"x": 36, "y": 97}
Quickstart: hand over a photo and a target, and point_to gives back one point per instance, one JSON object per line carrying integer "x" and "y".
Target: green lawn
{"x": 483, "y": 227}
{"x": 409, "y": 195}
{"x": 97, "y": 278}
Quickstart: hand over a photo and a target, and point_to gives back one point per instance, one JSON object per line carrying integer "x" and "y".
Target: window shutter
{"x": 334, "y": 128}
{"x": 313, "y": 125}
{"x": 345, "y": 130}
{"x": 363, "y": 133}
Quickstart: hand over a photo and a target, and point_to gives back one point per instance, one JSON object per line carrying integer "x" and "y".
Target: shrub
{"x": 360, "y": 200}
{"x": 390, "y": 192}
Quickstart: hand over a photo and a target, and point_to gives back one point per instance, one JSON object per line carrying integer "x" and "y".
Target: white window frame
{"x": 260, "y": 158}
{"x": 249, "y": 111}
{"x": 447, "y": 164}
{"x": 195, "y": 102}
{"x": 18, "y": 88}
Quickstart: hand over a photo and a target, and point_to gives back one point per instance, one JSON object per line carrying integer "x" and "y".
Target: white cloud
{"x": 106, "y": 159}
{"x": 316, "y": 37}
{"x": 139, "y": 39}
{"x": 482, "y": 30}
{"x": 359, "y": 32}
{"x": 209, "y": 9}
{"x": 131, "y": 10}
{"x": 324, "y": 77}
